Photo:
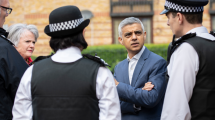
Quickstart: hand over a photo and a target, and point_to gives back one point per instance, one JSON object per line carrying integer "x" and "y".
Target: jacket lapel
{"x": 139, "y": 66}
{"x": 125, "y": 76}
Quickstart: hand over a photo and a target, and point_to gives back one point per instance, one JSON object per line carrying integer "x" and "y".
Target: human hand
{"x": 116, "y": 82}
{"x": 148, "y": 86}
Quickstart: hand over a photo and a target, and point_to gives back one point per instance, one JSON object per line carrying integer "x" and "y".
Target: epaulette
{"x": 212, "y": 33}
{"x": 97, "y": 59}
{"x": 175, "y": 44}
{"x": 185, "y": 37}
{"x": 40, "y": 58}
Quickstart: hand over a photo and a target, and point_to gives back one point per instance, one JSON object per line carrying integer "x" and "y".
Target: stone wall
{"x": 99, "y": 32}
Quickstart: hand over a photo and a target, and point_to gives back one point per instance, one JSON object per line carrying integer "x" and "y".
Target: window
{"x": 142, "y": 9}
{"x": 212, "y": 7}
{"x": 213, "y": 23}
{"x": 131, "y": 8}
{"x": 212, "y": 12}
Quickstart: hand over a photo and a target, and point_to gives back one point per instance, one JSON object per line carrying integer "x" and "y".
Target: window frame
{"x": 131, "y": 3}
{"x": 212, "y": 14}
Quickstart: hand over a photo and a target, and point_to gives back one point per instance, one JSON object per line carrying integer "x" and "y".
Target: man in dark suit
{"x": 12, "y": 66}
{"x": 142, "y": 67}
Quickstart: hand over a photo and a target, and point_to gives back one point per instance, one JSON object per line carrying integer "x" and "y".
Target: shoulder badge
{"x": 97, "y": 59}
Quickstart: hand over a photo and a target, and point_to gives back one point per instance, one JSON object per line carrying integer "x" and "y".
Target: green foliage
{"x": 33, "y": 57}
{"x": 113, "y": 54}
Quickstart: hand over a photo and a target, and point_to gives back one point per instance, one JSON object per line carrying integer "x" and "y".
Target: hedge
{"x": 113, "y": 54}
{"x": 33, "y": 57}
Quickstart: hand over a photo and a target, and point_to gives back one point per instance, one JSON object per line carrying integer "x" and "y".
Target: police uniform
{"x": 190, "y": 91}
{"x": 67, "y": 86}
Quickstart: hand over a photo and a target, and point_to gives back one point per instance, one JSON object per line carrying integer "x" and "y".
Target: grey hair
{"x": 16, "y": 30}
{"x": 128, "y": 21}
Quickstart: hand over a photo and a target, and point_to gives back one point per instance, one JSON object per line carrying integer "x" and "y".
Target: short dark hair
{"x": 194, "y": 18}
{"x": 78, "y": 40}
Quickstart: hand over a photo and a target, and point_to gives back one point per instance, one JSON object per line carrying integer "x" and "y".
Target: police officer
{"x": 190, "y": 92}
{"x": 67, "y": 86}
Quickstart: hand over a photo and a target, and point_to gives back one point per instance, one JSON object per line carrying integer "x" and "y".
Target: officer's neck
{"x": 187, "y": 27}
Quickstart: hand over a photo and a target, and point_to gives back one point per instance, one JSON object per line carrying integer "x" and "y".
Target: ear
{"x": 180, "y": 18}
{"x": 120, "y": 40}
{"x": 144, "y": 35}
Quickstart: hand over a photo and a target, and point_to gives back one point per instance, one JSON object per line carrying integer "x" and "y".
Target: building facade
{"x": 105, "y": 16}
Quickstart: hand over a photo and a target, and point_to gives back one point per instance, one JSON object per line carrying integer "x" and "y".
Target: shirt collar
{"x": 137, "y": 56}
{"x": 67, "y": 55}
{"x": 202, "y": 32}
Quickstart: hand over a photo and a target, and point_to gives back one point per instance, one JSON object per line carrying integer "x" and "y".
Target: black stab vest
{"x": 65, "y": 91}
{"x": 202, "y": 102}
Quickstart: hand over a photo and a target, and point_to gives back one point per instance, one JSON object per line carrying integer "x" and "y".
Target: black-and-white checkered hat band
{"x": 185, "y": 9}
{"x": 65, "y": 25}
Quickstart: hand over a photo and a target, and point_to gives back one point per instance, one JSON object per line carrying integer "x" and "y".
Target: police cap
{"x": 184, "y": 6}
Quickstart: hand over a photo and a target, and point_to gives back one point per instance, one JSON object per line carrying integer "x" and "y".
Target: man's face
{"x": 133, "y": 38}
{"x": 3, "y": 11}
{"x": 174, "y": 24}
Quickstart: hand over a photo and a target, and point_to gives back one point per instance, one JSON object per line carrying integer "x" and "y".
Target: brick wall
{"x": 162, "y": 32}
{"x": 99, "y": 31}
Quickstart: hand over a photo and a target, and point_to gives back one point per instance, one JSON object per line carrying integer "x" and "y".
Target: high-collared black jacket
{"x": 12, "y": 67}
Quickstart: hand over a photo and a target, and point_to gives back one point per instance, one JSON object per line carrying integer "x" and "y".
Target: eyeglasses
{"x": 8, "y": 10}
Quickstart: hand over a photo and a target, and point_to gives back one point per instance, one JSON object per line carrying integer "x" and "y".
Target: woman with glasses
{"x": 24, "y": 38}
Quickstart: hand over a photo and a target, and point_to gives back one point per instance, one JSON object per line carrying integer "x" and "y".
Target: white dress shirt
{"x": 133, "y": 62}
{"x": 182, "y": 71}
{"x": 105, "y": 89}
{"x": 131, "y": 67}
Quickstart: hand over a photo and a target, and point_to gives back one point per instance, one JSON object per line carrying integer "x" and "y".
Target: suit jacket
{"x": 150, "y": 68}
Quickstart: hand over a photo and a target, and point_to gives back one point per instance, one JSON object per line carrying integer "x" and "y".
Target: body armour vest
{"x": 202, "y": 102}
{"x": 65, "y": 91}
